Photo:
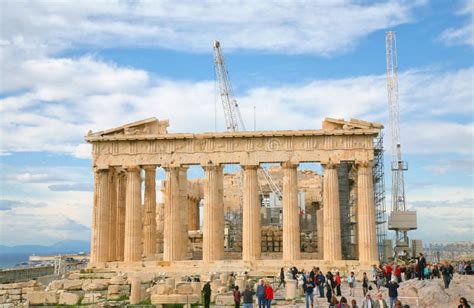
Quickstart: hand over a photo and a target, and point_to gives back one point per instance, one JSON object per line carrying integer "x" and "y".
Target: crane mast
{"x": 398, "y": 166}
{"x": 233, "y": 118}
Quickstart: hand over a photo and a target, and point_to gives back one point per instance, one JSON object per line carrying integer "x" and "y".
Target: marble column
{"x": 133, "y": 219}
{"x": 112, "y": 215}
{"x": 101, "y": 217}
{"x": 251, "y": 230}
{"x": 320, "y": 230}
{"x": 149, "y": 208}
{"x": 183, "y": 211}
{"x": 332, "y": 217}
{"x": 367, "y": 237}
{"x": 213, "y": 224}
{"x": 291, "y": 220}
{"x": 193, "y": 214}
{"x": 121, "y": 193}
{"x": 172, "y": 216}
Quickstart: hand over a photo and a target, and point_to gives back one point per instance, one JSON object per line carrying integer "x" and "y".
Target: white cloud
{"x": 452, "y": 165}
{"x": 463, "y": 35}
{"x": 316, "y": 27}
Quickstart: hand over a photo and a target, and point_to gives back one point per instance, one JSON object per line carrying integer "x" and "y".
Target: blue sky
{"x": 68, "y": 68}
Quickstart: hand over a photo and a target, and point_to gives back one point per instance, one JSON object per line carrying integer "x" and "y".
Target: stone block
{"x": 161, "y": 289}
{"x": 32, "y": 289}
{"x": 14, "y": 291}
{"x": 74, "y": 276}
{"x": 95, "y": 284}
{"x": 196, "y": 287}
{"x": 174, "y": 299}
{"x": 56, "y": 284}
{"x": 114, "y": 292}
{"x": 68, "y": 298}
{"x": 42, "y": 297}
{"x": 170, "y": 282}
{"x": 75, "y": 284}
{"x": 6, "y": 286}
{"x": 222, "y": 290}
{"x": 118, "y": 280}
{"x": 185, "y": 289}
{"x": 91, "y": 298}
{"x": 15, "y": 297}
{"x": 224, "y": 299}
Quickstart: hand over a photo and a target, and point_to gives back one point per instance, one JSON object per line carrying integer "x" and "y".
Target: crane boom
{"x": 233, "y": 118}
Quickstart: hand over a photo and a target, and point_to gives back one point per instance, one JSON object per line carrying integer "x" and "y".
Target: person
{"x": 268, "y": 294}
{"x": 333, "y": 303}
{"x": 365, "y": 283}
{"x": 392, "y": 287}
{"x": 261, "y": 294}
{"x": 237, "y": 297}
{"x": 380, "y": 302}
{"x": 329, "y": 288}
{"x": 398, "y": 273}
{"x": 388, "y": 272}
{"x": 398, "y": 304}
{"x": 463, "y": 303}
{"x": 374, "y": 273}
{"x": 351, "y": 280}
{"x": 206, "y": 292}
{"x": 294, "y": 271}
{"x": 380, "y": 278}
{"x": 447, "y": 272}
{"x": 343, "y": 303}
{"x": 368, "y": 302}
{"x": 354, "y": 304}
{"x": 338, "y": 284}
{"x": 421, "y": 267}
{"x": 308, "y": 288}
{"x": 282, "y": 278}
{"x": 320, "y": 283}
{"x": 427, "y": 272}
{"x": 461, "y": 267}
{"x": 247, "y": 297}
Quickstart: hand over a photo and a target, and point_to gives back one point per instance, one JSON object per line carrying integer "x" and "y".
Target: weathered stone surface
{"x": 14, "y": 291}
{"x": 161, "y": 289}
{"x": 115, "y": 292}
{"x": 67, "y": 298}
{"x": 174, "y": 299}
{"x": 291, "y": 289}
{"x": 185, "y": 289}
{"x": 118, "y": 280}
{"x": 75, "y": 284}
{"x": 32, "y": 289}
{"x": 94, "y": 286}
{"x": 224, "y": 299}
{"x": 42, "y": 297}
{"x": 56, "y": 284}
{"x": 135, "y": 291}
{"x": 91, "y": 298}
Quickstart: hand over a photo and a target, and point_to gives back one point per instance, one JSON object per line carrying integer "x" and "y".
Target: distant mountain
{"x": 66, "y": 246}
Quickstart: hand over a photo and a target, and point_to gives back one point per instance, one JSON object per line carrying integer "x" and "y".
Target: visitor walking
{"x": 421, "y": 267}
{"x": 388, "y": 272}
{"x": 308, "y": 288}
{"x": 261, "y": 294}
{"x": 247, "y": 297}
{"x": 282, "y": 278}
{"x": 392, "y": 287}
{"x": 338, "y": 284}
{"x": 365, "y": 284}
{"x": 329, "y": 286}
{"x": 320, "y": 283}
{"x": 343, "y": 303}
{"x": 237, "y": 297}
{"x": 447, "y": 272}
{"x": 268, "y": 294}
{"x": 463, "y": 303}
{"x": 374, "y": 273}
{"x": 351, "y": 280}
{"x": 380, "y": 302}
{"x": 368, "y": 302}
{"x": 206, "y": 292}
{"x": 354, "y": 304}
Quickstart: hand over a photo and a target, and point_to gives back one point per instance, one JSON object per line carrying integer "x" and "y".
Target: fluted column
{"x": 291, "y": 221}
{"x": 112, "y": 215}
{"x": 251, "y": 231}
{"x": 172, "y": 216}
{"x": 183, "y": 211}
{"x": 213, "y": 224}
{"x": 367, "y": 237}
{"x": 193, "y": 214}
{"x": 149, "y": 207}
{"x": 120, "y": 232}
{"x": 320, "y": 230}
{"x": 133, "y": 219}
{"x": 100, "y": 249}
{"x": 332, "y": 218}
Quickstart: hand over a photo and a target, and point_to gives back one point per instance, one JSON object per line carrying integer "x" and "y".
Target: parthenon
{"x": 124, "y": 226}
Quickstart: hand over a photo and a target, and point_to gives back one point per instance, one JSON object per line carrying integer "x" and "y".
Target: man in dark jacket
{"x": 447, "y": 271}
{"x": 392, "y": 287}
{"x": 421, "y": 267}
{"x": 261, "y": 294}
{"x": 247, "y": 296}
{"x": 320, "y": 283}
{"x": 206, "y": 292}
{"x": 308, "y": 288}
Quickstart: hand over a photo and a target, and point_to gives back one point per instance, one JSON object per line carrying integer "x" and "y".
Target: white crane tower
{"x": 400, "y": 220}
{"x": 233, "y": 118}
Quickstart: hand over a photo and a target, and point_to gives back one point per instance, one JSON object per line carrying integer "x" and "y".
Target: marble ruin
{"x": 125, "y": 230}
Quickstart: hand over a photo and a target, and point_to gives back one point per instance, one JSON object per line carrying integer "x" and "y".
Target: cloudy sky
{"x": 69, "y": 68}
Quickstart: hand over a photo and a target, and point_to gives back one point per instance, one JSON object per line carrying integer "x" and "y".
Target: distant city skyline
{"x": 67, "y": 68}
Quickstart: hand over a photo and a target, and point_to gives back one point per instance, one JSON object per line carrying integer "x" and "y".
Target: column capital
{"x": 212, "y": 167}
{"x": 149, "y": 167}
{"x": 289, "y": 164}
{"x": 330, "y": 164}
{"x": 364, "y": 163}
{"x": 101, "y": 168}
{"x": 249, "y": 167}
{"x": 168, "y": 168}
{"x": 132, "y": 168}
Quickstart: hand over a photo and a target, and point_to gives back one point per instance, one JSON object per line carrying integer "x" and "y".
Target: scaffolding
{"x": 347, "y": 203}
{"x": 379, "y": 195}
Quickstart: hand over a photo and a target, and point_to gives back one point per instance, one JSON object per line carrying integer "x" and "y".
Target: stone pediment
{"x": 352, "y": 124}
{"x": 150, "y": 126}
